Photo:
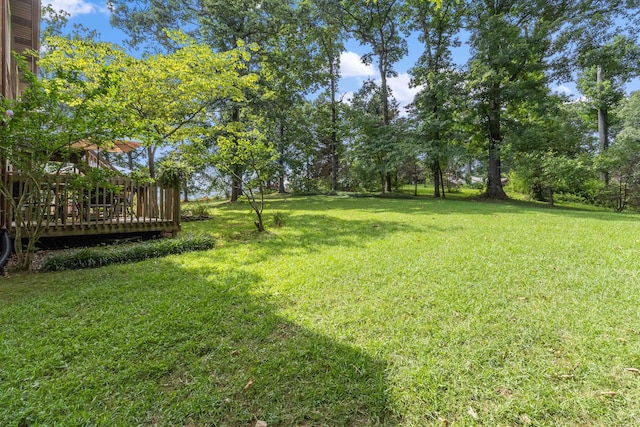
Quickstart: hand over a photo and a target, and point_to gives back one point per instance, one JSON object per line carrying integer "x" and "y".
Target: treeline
{"x": 494, "y": 116}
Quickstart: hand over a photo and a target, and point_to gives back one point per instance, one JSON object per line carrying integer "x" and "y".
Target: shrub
{"x": 195, "y": 209}
{"x": 121, "y": 254}
{"x": 278, "y": 219}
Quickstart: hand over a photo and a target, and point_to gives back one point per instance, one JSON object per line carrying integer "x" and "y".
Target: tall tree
{"x": 377, "y": 24}
{"x": 373, "y": 139}
{"x": 605, "y": 72}
{"x": 329, "y": 36}
{"x": 221, "y": 24}
{"x": 439, "y": 97}
{"x": 511, "y": 46}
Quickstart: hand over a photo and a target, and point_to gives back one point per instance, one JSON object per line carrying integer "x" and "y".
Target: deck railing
{"x": 113, "y": 206}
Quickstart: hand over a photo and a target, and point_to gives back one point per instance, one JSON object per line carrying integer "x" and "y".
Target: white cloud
{"x": 563, "y": 89}
{"x": 347, "y": 97}
{"x": 77, "y": 7}
{"x": 401, "y": 90}
{"x": 351, "y": 66}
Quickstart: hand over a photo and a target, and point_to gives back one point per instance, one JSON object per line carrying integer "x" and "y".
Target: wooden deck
{"x": 118, "y": 206}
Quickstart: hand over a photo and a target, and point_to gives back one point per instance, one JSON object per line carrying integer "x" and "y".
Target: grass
{"x": 358, "y": 311}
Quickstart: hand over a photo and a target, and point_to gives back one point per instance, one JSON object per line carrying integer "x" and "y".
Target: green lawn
{"x": 357, "y": 312}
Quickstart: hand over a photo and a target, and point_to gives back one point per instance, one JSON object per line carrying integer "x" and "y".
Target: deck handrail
{"x": 113, "y": 205}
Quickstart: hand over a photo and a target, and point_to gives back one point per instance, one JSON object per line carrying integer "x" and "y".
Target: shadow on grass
{"x": 306, "y": 233}
{"x": 177, "y": 345}
{"x": 468, "y": 205}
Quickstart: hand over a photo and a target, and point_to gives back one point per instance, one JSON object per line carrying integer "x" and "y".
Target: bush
{"x": 121, "y": 254}
{"x": 195, "y": 209}
{"x": 278, "y": 219}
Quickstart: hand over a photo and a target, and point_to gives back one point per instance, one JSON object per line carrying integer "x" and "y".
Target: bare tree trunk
{"x": 281, "y": 174}
{"x": 436, "y": 179}
{"x": 185, "y": 187}
{"x": 334, "y": 129}
{"x": 603, "y": 127}
{"x": 494, "y": 184}
{"x": 236, "y": 178}
{"x": 151, "y": 154}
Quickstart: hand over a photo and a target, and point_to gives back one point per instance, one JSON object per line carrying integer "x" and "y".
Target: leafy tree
{"x": 623, "y": 157}
{"x": 550, "y": 148}
{"x": 164, "y": 99}
{"x": 377, "y": 24}
{"x": 329, "y": 37}
{"x": 221, "y": 25}
{"x": 249, "y": 149}
{"x": 511, "y": 42}
{"x": 605, "y": 73}
{"x": 37, "y": 136}
{"x": 440, "y": 96}
{"x": 373, "y": 140}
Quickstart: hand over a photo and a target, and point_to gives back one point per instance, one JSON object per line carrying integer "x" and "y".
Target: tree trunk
{"x": 185, "y": 186}
{"x": 281, "y": 177}
{"x": 334, "y": 129}
{"x": 494, "y": 184}
{"x": 550, "y": 196}
{"x": 436, "y": 179}
{"x": 151, "y": 154}
{"x": 442, "y": 182}
{"x": 236, "y": 178}
{"x": 603, "y": 126}
{"x": 388, "y": 182}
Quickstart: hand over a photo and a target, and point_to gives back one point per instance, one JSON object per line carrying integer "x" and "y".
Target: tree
{"x": 37, "y": 136}
{"x": 377, "y": 24}
{"x": 550, "y": 149}
{"x": 622, "y": 159}
{"x": 219, "y": 24}
{"x": 329, "y": 36}
{"x": 435, "y": 105}
{"x": 249, "y": 149}
{"x": 373, "y": 140}
{"x": 512, "y": 43}
{"x": 164, "y": 99}
{"x": 605, "y": 72}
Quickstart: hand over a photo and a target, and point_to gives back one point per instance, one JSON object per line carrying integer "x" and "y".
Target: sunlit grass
{"x": 357, "y": 311}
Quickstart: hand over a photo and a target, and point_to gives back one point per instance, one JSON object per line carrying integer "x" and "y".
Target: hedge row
{"x": 121, "y": 254}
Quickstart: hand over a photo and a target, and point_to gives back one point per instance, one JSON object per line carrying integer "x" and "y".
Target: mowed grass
{"x": 355, "y": 312}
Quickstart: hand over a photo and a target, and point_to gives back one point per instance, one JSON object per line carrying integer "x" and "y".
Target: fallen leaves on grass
{"x": 473, "y": 413}
{"x": 607, "y": 393}
{"x": 525, "y": 419}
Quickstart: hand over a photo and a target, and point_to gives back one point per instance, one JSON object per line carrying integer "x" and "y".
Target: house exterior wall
{"x": 19, "y": 31}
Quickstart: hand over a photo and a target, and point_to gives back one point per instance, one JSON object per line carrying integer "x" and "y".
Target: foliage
{"x": 162, "y": 99}
{"x": 37, "y": 136}
{"x": 123, "y": 254}
{"x": 622, "y": 159}
{"x": 247, "y": 150}
{"x": 172, "y": 172}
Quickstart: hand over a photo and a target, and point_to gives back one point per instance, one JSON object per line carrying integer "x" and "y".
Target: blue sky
{"x": 94, "y": 14}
